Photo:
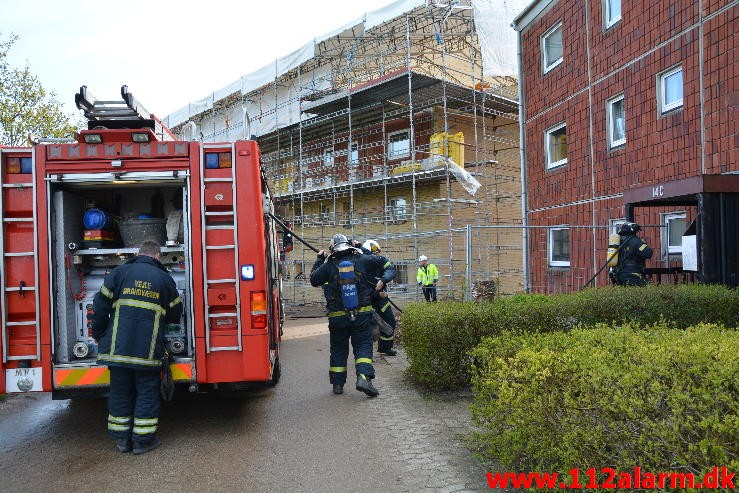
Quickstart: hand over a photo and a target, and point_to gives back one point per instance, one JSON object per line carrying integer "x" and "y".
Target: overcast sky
{"x": 169, "y": 53}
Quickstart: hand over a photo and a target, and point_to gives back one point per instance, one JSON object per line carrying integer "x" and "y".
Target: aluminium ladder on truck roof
{"x": 125, "y": 113}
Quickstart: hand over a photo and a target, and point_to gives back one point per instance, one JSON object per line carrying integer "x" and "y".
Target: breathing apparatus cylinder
{"x": 614, "y": 241}
{"x": 349, "y": 295}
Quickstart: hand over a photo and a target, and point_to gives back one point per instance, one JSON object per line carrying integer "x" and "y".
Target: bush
{"x": 438, "y": 337}
{"x": 619, "y": 397}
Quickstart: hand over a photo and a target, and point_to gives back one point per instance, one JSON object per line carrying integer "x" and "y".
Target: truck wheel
{"x": 276, "y": 373}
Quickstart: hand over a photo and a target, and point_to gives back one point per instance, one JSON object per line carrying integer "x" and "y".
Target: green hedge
{"x": 438, "y": 337}
{"x": 619, "y": 397}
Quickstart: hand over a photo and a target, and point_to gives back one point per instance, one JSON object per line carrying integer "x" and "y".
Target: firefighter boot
{"x": 388, "y": 352}
{"x": 145, "y": 447}
{"x": 338, "y": 388}
{"x": 364, "y": 384}
{"x": 123, "y": 445}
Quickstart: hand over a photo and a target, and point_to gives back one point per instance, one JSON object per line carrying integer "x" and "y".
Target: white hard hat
{"x": 422, "y": 258}
{"x": 372, "y": 246}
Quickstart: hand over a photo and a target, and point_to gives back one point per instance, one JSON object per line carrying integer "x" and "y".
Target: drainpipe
{"x": 524, "y": 181}
{"x": 246, "y": 122}
{"x": 191, "y": 127}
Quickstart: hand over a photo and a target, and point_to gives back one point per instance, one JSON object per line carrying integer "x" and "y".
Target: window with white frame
{"x": 612, "y": 11}
{"x": 673, "y": 233}
{"x": 397, "y": 209}
{"x": 616, "y": 120}
{"x": 328, "y": 156}
{"x": 551, "y": 48}
{"x": 555, "y": 140}
{"x": 615, "y": 225}
{"x": 401, "y": 274}
{"x": 325, "y": 213}
{"x": 670, "y": 88}
{"x": 398, "y": 145}
{"x": 559, "y": 247}
{"x": 353, "y": 160}
{"x": 354, "y": 153}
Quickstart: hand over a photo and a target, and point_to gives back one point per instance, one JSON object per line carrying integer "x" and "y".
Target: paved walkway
{"x": 422, "y": 434}
{"x": 298, "y": 437}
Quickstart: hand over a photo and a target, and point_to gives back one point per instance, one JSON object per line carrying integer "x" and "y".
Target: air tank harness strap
{"x": 341, "y": 313}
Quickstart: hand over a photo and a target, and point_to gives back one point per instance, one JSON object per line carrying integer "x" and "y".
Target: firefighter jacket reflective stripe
{"x": 633, "y": 254}
{"x": 366, "y": 267}
{"x": 427, "y": 275}
{"x": 129, "y": 312}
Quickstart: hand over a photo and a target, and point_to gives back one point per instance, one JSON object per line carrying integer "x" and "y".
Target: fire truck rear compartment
{"x": 81, "y": 257}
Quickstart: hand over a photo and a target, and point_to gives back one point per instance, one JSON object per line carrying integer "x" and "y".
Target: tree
{"x": 25, "y": 106}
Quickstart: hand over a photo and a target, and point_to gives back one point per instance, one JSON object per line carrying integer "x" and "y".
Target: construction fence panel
{"x": 477, "y": 263}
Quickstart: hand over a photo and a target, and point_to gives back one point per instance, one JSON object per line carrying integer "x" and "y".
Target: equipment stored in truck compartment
{"x": 73, "y": 211}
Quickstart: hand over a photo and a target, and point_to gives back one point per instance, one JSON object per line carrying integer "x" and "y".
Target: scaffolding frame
{"x": 420, "y": 73}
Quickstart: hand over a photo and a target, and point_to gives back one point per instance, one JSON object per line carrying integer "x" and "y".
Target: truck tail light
{"x": 258, "y": 310}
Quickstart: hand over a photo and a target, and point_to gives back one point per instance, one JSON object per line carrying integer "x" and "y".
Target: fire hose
{"x": 301, "y": 240}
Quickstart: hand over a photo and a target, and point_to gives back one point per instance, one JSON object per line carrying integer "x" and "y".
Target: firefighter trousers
{"x": 341, "y": 331}
{"x": 385, "y": 310}
{"x": 133, "y": 404}
{"x": 630, "y": 279}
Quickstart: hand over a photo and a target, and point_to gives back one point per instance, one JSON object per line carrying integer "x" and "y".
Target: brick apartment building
{"x": 629, "y": 111}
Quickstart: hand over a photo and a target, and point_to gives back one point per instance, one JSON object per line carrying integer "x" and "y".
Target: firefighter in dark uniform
{"x": 130, "y": 311}
{"x": 354, "y": 324}
{"x": 381, "y": 304}
{"x": 633, "y": 252}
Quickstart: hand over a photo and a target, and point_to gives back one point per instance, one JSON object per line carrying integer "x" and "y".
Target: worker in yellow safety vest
{"x": 427, "y": 277}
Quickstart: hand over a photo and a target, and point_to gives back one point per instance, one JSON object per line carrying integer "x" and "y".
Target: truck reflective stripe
{"x": 100, "y": 376}
{"x": 82, "y": 376}
{"x": 181, "y": 371}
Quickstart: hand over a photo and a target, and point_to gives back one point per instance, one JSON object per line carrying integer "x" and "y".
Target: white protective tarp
{"x": 498, "y": 40}
{"x": 259, "y": 96}
{"x": 356, "y": 27}
{"x": 224, "y": 92}
{"x": 295, "y": 59}
{"x": 464, "y": 178}
{"x": 395, "y": 9}
{"x": 258, "y": 78}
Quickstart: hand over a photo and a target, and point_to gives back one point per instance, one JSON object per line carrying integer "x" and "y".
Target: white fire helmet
{"x": 372, "y": 246}
{"x": 339, "y": 243}
{"x": 422, "y": 258}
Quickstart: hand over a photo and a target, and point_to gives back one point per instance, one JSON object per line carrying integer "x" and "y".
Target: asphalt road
{"x": 298, "y": 437}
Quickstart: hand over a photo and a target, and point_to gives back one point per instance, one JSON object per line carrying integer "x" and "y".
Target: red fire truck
{"x": 72, "y": 210}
